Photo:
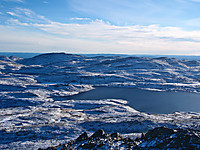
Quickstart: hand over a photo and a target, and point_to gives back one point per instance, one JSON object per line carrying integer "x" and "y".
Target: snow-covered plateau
{"x": 35, "y": 112}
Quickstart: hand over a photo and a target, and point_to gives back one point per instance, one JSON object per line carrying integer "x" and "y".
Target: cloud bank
{"x": 94, "y": 36}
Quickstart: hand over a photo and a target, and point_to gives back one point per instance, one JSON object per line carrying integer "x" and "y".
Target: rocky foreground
{"x": 157, "y": 138}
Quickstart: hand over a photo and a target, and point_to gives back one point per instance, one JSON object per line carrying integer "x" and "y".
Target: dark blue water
{"x": 146, "y": 101}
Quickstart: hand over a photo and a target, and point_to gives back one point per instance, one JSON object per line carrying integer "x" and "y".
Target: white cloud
{"x": 99, "y": 30}
{"x": 27, "y": 15}
{"x": 12, "y": 14}
{"x": 80, "y": 19}
{"x": 17, "y": 22}
{"x": 97, "y": 36}
{"x": 12, "y": 38}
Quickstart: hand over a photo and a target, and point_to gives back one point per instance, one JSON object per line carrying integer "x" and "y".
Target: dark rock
{"x": 164, "y": 138}
{"x": 82, "y": 137}
{"x": 158, "y": 132}
{"x": 88, "y": 145}
{"x": 101, "y": 144}
{"x": 128, "y": 140}
{"x": 71, "y": 142}
{"x": 142, "y": 136}
{"x": 49, "y": 148}
{"x": 157, "y": 138}
{"x": 129, "y": 143}
{"x": 116, "y": 136}
{"x": 99, "y": 134}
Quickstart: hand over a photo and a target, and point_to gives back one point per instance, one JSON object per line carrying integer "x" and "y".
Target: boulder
{"x": 116, "y": 136}
{"x": 99, "y": 134}
{"x": 82, "y": 137}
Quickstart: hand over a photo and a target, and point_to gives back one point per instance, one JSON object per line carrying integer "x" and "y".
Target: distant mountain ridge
{"x": 29, "y": 55}
{"x": 48, "y": 58}
{"x": 146, "y": 55}
{"x": 133, "y": 62}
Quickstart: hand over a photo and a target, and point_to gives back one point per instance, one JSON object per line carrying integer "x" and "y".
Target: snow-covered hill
{"x": 31, "y": 117}
{"x": 159, "y": 73}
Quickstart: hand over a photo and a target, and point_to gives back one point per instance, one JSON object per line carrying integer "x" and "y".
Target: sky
{"x": 157, "y": 27}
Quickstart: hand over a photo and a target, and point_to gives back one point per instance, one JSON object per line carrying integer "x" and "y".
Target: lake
{"x": 146, "y": 101}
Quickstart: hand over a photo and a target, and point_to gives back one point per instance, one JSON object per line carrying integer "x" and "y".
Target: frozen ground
{"x": 32, "y": 116}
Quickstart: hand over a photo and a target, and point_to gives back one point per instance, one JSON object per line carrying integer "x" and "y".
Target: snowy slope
{"x": 33, "y": 116}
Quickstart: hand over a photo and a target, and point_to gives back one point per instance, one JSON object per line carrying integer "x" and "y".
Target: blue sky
{"x": 101, "y": 26}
